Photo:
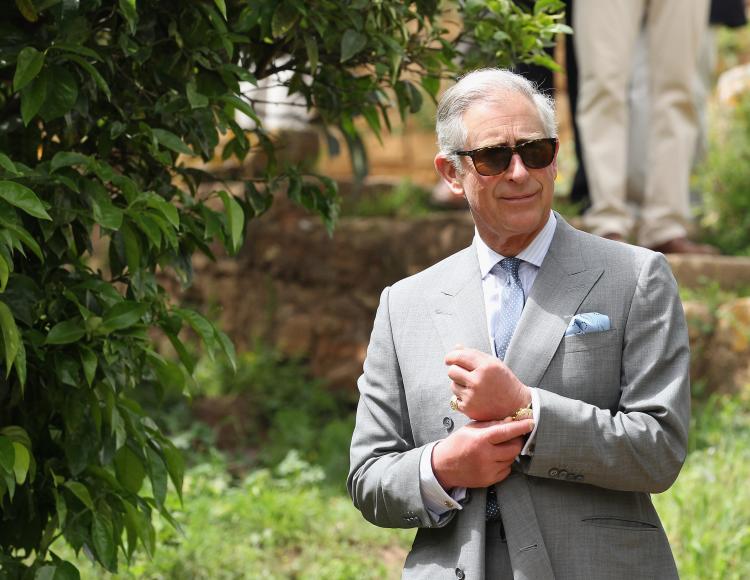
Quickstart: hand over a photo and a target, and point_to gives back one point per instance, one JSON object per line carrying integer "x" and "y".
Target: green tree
{"x": 101, "y": 102}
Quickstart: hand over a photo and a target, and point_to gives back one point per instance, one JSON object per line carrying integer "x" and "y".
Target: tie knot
{"x": 511, "y": 265}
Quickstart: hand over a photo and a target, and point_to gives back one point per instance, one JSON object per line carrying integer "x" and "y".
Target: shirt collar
{"x": 534, "y": 253}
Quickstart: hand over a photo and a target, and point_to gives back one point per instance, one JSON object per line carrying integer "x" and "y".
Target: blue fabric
{"x": 511, "y": 303}
{"x": 511, "y": 306}
{"x": 587, "y": 322}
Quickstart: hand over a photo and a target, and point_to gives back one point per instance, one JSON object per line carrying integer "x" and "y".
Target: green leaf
{"x": 102, "y": 537}
{"x": 196, "y": 99}
{"x": 20, "y": 365}
{"x": 228, "y": 348}
{"x": 200, "y": 325}
{"x": 157, "y": 472}
{"x": 68, "y": 159}
{"x": 132, "y": 248}
{"x": 242, "y": 106}
{"x": 11, "y": 336}
{"x": 21, "y": 465}
{"x": 95, "y": 74}
{"x": 89, "y": 362}
{"x": 76, "y": 49}
{"x": 27, "y": 9}
{"x": 284, "y": 17}
{"x": 60, "y": 100}
{"x": 66, "y": 332}
{"x": 81, "y": 492}
{"x": 23, "y": 198}
{"x": 129, "y": 469}
{"x": 24, "y": 236}
{"x": 128, "y": 10}
{"x": 175, "y": 466}
{"x": 4, "y": 273}
{"x": 351, "y": 43}
{"x": 7, "y": 164}
{"x": 235, "y": 220}
{"x": 143, "y": 527}
{"x": 171, "y": 141}
{"x": 165, "y": 208}
{"x": 221, "y": 5}
{"x": 30, "y": 62}
{"x": 33, "y": 97}
{"x": 311, "y": 46}
{"x": 7, "y": 454}
{"x": 124, "y": 315}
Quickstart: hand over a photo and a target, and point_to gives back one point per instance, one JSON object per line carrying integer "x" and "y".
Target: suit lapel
{"x": 457, "y": 306}
{"x": 560, "y": 287}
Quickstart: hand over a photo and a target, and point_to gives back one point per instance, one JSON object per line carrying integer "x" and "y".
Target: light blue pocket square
{"x": 586, "y": 323}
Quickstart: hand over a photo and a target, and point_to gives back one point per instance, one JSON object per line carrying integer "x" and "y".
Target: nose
{"x": 516, "y": 171}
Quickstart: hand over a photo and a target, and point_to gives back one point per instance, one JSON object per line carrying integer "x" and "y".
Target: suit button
{"x": 448, "y": 423}
{"x": 460, "y": 574}
{"x": 553, "y": 472}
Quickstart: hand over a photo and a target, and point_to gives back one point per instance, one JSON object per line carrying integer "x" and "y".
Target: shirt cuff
{"x": 436, "y": 500}
{"x": 528, "y": 448}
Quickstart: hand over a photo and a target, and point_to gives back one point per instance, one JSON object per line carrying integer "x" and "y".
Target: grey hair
{"x": 483, "y": 86}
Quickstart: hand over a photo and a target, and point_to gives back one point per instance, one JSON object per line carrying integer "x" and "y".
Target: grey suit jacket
{"x": 613, "y": 422}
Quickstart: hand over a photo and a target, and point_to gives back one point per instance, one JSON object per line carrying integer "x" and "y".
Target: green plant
{"x": 282, "y": 407}
{"x": 706, "y": 513}
{"x": 274, "y": 523}
{"x": 405, "y": 200}
{"x": 101, "y": 105}
{"x": 724, "y": 177}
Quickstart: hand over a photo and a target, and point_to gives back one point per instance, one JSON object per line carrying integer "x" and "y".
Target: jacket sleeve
{"x": 641, "y": 445}
{"x": 383, "y": 477}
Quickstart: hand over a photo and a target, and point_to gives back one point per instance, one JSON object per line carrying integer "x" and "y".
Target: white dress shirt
{"x": 437, "y": 501}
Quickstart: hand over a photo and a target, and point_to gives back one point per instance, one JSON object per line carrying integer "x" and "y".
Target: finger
{"x": 458, "y": 390}
{"x": 467, "y": 358}
{"x": 503, "y": 432}
{"x": 459, "y": 375}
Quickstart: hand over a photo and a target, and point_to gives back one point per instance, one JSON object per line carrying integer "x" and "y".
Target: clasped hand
{"x": 482, "y": 452}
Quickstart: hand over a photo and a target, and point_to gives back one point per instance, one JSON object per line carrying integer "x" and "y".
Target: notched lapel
{"x": 560, "y": 287}
{"x": 457, "y": 308}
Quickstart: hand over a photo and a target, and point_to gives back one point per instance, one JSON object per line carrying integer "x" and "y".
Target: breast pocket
{"x": 589, "y": 341}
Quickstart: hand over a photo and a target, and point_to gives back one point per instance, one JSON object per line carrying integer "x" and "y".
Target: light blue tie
{"x": 511, "y": 306}
{"x": 511, "y": 303}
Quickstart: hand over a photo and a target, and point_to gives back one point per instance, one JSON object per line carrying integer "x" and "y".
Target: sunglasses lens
{"x": 493, "y": 160}
{"x": 537, "y": 154}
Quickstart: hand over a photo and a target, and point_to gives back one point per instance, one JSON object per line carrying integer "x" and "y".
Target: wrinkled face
{"x": 511, "y": 208}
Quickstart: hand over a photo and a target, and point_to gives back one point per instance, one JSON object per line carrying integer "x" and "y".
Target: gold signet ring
{"x": 454, "y": 403}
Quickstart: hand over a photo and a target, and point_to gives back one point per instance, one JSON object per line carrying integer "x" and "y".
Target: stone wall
{"x": 311, "y": 295}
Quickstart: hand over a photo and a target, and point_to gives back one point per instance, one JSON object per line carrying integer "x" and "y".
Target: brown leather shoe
{"x": 685, "y": 246}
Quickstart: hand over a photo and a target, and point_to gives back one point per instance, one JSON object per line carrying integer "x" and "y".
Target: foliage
{"x": 276, "y": 523}
{"x": 283, "y": 408}
{"x": 102, "y": 105}
{"x": 725, "y": 179}
{"x": 405, "y": 200}
{"x": 706, "y": 513}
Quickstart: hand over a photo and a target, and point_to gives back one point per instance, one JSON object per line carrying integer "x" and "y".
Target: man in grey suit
{"x": 522, "y": 398}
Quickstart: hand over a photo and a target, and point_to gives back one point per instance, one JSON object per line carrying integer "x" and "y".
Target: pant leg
{"x": 675, "y": 31}
{"x": 605, "y": 36}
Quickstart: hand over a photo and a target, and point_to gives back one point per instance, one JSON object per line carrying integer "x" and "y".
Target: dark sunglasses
{"x": 494, "y": 160}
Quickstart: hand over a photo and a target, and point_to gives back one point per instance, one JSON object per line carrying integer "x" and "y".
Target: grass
{"x": 707, "y": 512}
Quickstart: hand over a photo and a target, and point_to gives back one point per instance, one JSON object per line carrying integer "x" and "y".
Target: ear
{"x": 449, "y": 174}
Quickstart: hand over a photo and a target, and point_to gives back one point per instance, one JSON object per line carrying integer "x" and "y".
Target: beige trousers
{"x": 605, "y": 38}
